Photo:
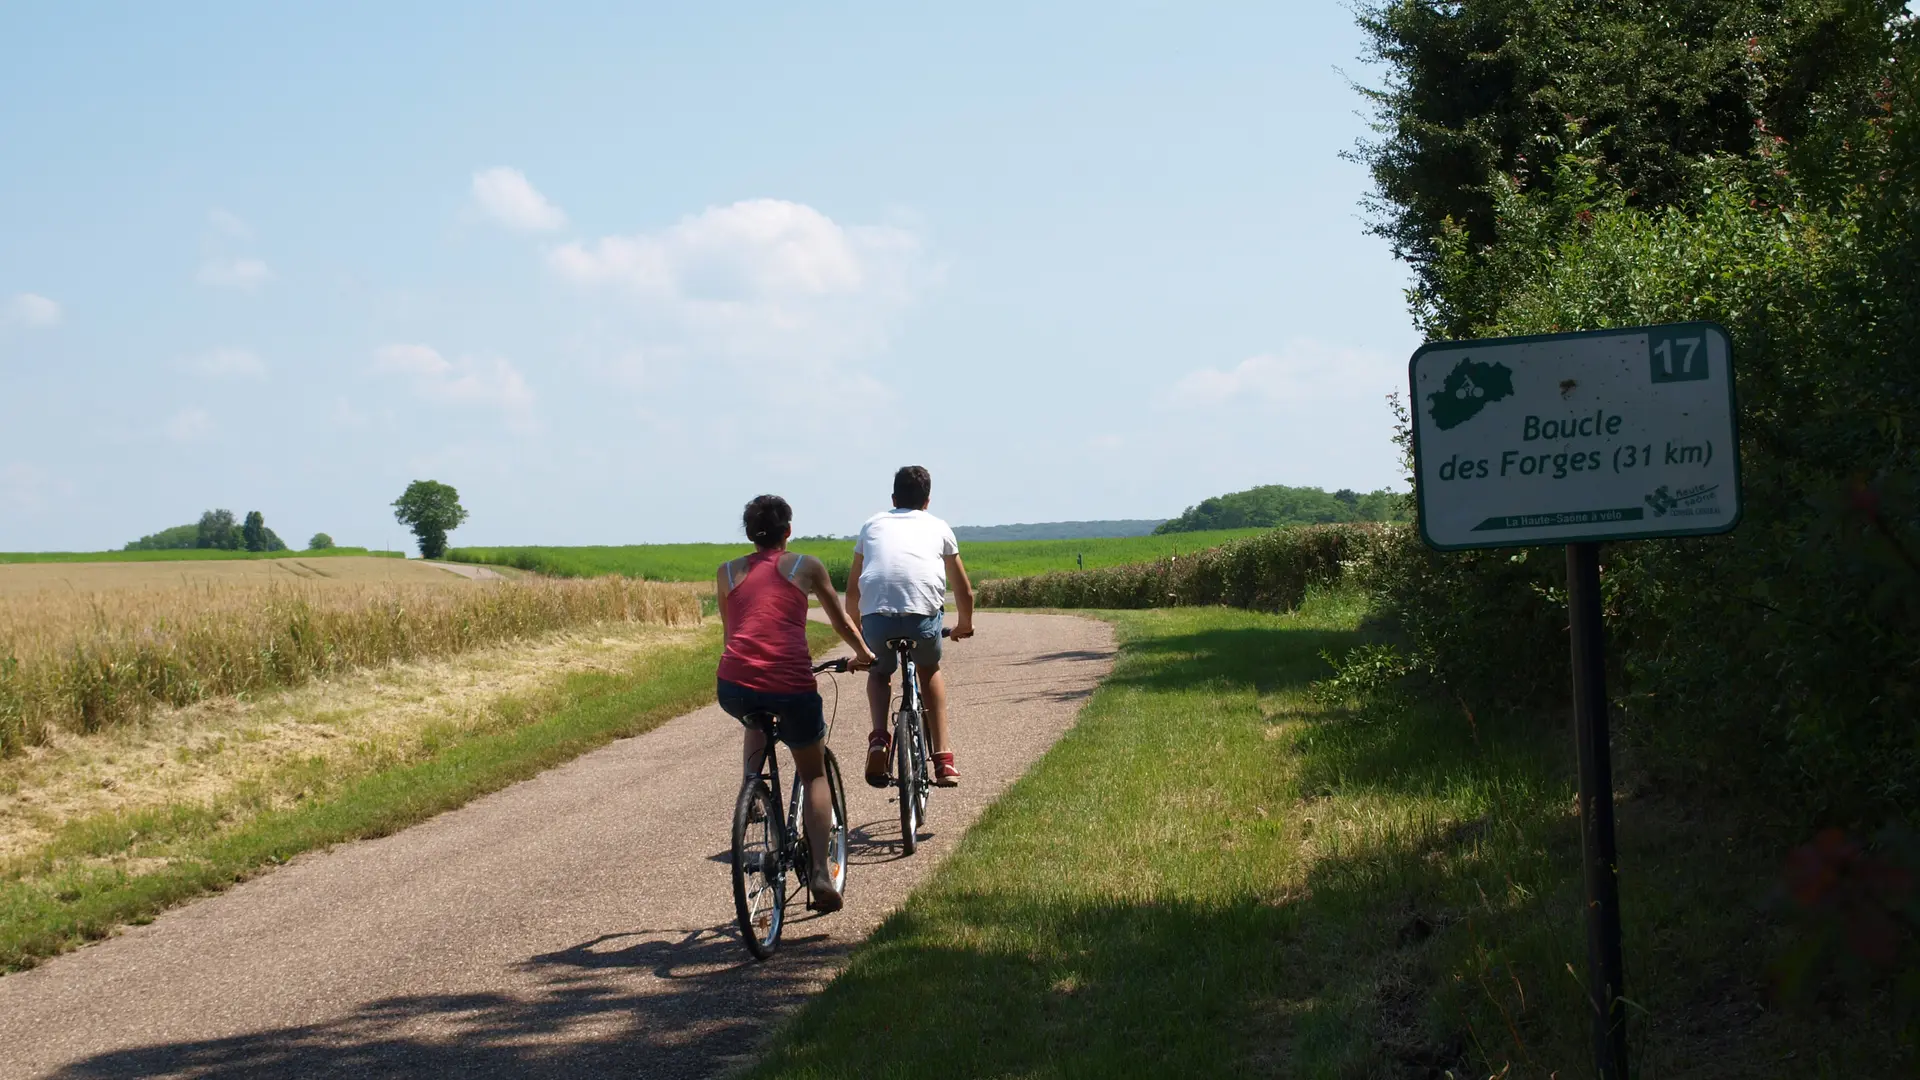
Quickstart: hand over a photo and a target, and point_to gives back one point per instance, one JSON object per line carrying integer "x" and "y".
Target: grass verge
{"x": 1219, "y": 872}
{"x": 118, "y": 869}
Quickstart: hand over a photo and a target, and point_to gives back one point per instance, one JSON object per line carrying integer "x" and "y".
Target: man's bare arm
{"x": 820, "y": 584}
{"x": 962, "y": 595}
{"x": 853, "y": 588}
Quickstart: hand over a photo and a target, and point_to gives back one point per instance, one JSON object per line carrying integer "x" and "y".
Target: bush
{"x": 320, "y": 542}
{"x": 1778, "y": 661}
{"x": 1270, "y": 572}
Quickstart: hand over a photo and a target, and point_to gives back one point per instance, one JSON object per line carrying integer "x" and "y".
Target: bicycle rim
{"x": 922, "y": 780}
{"x": 903, "y": 778}
{"x": 837, "y": 839}
{"x": 759, "y": 870}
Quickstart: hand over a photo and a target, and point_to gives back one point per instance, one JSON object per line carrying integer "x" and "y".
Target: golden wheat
{"x": 88, "y": 661}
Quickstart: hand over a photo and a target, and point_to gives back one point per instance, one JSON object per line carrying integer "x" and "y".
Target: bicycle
{"x": 768, "y": 845}
{"x": 910, "y": 751}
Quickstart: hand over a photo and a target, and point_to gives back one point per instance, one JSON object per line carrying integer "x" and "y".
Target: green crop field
{"x": 984, "y": 561}
{"x": 181, "y": 555}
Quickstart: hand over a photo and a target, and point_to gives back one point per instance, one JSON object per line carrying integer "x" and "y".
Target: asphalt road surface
{"x": 578, "y": 924}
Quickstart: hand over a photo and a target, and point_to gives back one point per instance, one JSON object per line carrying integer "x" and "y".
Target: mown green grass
{"x": 79, "y": 888}
{"x": 985, "y": 560}
{"x": 182, "y": 555}
{"x": 1218, "y": 873}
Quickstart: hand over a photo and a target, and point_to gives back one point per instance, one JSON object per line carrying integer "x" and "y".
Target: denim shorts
{"x": 803, "y": 717}
{"x": 924, "y": 629}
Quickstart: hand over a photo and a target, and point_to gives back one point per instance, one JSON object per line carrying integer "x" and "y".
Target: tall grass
{"x": 1270, "y": 571}
{"x": 85, "y": 662}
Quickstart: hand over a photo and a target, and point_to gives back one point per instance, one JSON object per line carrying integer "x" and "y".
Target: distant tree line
{"x": 217, "y": 530}
{"x": 1274, "y": 505}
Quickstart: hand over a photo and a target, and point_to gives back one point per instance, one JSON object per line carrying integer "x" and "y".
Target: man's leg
{"x": 933, "y": 687}
{"x": 879, "y": 696}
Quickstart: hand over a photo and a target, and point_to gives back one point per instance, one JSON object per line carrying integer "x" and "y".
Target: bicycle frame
{"x": 791, "y": 855}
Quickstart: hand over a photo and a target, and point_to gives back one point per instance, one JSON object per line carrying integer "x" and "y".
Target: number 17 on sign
{"x": 1673, "y": 358}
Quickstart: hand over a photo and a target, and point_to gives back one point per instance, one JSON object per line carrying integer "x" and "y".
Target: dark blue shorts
{"x": 803, "y": 717}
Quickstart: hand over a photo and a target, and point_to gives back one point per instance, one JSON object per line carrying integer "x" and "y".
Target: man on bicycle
{"x": 897, "y": 588}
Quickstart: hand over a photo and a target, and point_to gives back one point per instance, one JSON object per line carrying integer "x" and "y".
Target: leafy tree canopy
{"x": 432, "y": 510}
{"x": 1486, "y": 96}
{"x": 320, "y": 542}
{"x": 1274, "y": 505}
{"x": 177, "y": 538}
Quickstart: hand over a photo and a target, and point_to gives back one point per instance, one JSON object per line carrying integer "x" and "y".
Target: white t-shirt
{"x": 905, "y": 571}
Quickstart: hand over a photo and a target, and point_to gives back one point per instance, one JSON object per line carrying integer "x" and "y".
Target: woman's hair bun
{"x": 766, "y": 520}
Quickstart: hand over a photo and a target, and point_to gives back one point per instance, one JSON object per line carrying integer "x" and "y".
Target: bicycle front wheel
{"x": 759, "y": 870}
{"x": 837, "y": 838}
{"x": 905, "y": 730}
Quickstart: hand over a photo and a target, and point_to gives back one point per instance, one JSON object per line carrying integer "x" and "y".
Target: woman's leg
{"x": 752, "y": 752}
{"x": 817, "y": 811}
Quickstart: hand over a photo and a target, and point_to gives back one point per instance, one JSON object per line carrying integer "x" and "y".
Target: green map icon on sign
{"x": 1470, "y": 387}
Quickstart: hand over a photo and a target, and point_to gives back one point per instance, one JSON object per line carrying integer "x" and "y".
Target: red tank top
{"x": 766, "y": 647}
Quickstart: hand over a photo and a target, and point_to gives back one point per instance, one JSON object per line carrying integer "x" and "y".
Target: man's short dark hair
{"x": 912, "y": 486}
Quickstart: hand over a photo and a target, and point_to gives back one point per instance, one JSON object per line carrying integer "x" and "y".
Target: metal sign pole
{"x": 1606, "y": 981}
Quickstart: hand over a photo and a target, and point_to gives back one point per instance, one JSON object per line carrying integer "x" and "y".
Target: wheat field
{"x": 85, "y": 660}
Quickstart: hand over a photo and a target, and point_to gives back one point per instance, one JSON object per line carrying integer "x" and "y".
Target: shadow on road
{"x": 584, "y": 1019}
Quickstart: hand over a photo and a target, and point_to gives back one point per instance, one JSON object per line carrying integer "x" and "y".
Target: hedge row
{"x": 1269, "y": 572}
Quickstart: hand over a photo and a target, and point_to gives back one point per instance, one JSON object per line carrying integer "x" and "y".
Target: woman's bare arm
{"x": 820, "y": 584}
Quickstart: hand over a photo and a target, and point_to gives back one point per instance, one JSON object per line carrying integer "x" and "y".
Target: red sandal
{"x": 944, "y": 774}
{"x": 879, "y": 756}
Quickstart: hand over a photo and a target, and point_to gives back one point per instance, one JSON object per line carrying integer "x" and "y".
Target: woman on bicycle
{"x": 766, "y": 667}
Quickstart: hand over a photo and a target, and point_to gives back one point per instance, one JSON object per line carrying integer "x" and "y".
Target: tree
{"x": 1483, "y": 97}
{"x": 217, "y": 530}
{"x": 254, "y": 533}
{"x": 320, "y": 542}
{"x": 176, "y": 538}
{"x": 432, "y": 510}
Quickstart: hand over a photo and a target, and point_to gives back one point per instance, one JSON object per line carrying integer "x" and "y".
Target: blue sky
{"x": 613, "y": 270}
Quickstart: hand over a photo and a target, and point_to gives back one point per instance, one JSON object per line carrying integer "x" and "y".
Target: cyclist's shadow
{"x": 667, "y": 954}
{"x": 878, "y": 841}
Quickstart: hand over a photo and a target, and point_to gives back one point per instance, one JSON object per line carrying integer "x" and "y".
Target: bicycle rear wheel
{"x": 759, "y": 870}
{"x": 837, "y": 839}
{"x": 905, "y": 733}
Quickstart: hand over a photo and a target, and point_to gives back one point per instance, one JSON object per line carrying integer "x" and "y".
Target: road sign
{"x": 1608, "y": 435}
{"x": 1574, "y": 439}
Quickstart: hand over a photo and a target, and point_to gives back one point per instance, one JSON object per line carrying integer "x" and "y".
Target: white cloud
{"x": 30, "y": 309}
{"x": 489, "y": 382}
{"x": 229, "y": 224}
{"x": 235, "y": 273}
{"x": 189, "y": 425}
{"x": 504, "y": 195}
{"x": 765, "y": 279}
{"x": 230, "y": 363}
{"x": 1303, "y": 374}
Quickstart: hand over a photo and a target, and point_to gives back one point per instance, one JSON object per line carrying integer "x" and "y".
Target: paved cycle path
{"x": 578, "y": 924}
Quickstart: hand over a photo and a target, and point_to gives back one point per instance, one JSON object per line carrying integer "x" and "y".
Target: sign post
{"x": 1577, "y": 439}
